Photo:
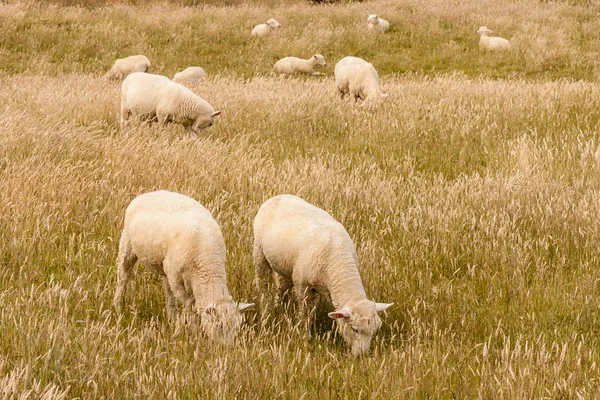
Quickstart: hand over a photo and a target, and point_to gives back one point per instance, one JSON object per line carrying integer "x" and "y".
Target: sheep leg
{"x": 263, "y": 270}
{"x": 163, "y": 119}
{"x": 171, "y": 300}
{"x": 262, "y": 280}
{"x": 125, "y": 114}
{"x": 308, "y": 303}
{"x": 125, "y": 262}
{"x": 284, "y": 287}
{"x": 342, "y": 93}
{"x": 177, "y": 287}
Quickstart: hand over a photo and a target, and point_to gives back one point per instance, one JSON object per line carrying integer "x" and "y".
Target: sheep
{"x": 293, "y": 65}
{"x": 157, "y": 98}
{"x": 491, "y": 42}
{"x": 125, "y": 66}
{"x": 177, "y": 238}
{"x": 265, "y": 29}
{"x": 303, "y": 247}
{"x": 379, "y": 24}
{"x": 358, "y": 78}
{"x": 190, "y": 75}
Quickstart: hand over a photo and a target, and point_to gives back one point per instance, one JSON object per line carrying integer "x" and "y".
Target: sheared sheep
{"x": 190, "y": 75}
{"x": 178, "y": 239}
{"x": 378, "y": 24}
{"x": 491, "y": 42}
{"x": 262, "y": 30}
{"x": 312, "y": 252}
{"x": 125, "y": 66}
{"x": 294, "y": 65}
{"x": 157, "y": 98}
{"x": 358, "y": 78}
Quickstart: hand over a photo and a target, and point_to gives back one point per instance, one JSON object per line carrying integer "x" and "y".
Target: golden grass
{"x": 472, "y": 202}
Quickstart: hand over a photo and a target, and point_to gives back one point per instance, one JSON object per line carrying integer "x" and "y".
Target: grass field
{"x": 471, "y": 194}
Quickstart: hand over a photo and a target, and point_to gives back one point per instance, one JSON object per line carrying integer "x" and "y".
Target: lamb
{"x": 293, "y": 65}
{"x": 310, "y": 251}
{"x": 125, "y": 66}
{"x": 178, "y": 239}
{"x": 190, "y": 75}
{"x": 265, "y": 29}
{"x": 157, "y": 98}
{"x": 379, "y": 24}
{"x": 491, "y": 42}
{"x": 358, "y": 78}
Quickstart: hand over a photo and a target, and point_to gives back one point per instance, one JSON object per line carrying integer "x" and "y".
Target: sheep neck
{"x": 192, "y": 106}
{"x": 209, "y": 284}
{"x": 346, "y": 285}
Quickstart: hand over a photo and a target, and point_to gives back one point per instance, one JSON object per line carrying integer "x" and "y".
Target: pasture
{"x": 471, "y": 194}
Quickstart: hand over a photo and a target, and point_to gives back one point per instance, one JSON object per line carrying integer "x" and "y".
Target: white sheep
{"x": 125, "y": 66}
{"x": 312, "y": 252}
{"x": 293, "y": 65}
{"x": 177, "y": 238}
{"x": 378, "y": 24}
{"x": 358, "y": 78}
{"x": 157, "y": 98}
{"x": 190, "y": 75}
{"x": 265, "y": 29}
{"x": 491, "y": 42}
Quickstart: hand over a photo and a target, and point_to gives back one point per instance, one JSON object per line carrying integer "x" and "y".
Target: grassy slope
{"x": 473, "y": 204}
{"x": 551, "y": 40}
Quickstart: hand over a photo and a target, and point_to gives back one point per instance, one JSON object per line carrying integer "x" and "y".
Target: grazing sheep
{"x": 157, "y": 98}
{"x": 262, "y": 30}
{"x": 125, "y": 66}
{"x": 293, "y": 65}
{"x": 178, "y": 239}
{"x": 358, "y": 78}
{"x": 379, "y": 24}
{"x": 312, "y": 252}
{"x": 491, "y": 42}
{"x": 190, "y": 75}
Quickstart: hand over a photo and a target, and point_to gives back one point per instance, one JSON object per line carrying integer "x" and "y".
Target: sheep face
{"x": 484, "y": 31}
{"x": 373, "y": 19}
{"x": 204, "y": 122}
{"x": 320, "y": 60}
{"x": 273, "y": 24}
{"x": 221, "y": 322}
{"x": 359, "y": 324}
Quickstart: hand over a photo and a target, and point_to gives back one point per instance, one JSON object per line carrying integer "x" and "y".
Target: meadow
{"x": 471, "y": 193}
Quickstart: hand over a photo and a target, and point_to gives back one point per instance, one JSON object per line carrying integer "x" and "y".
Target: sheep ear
{"x": 339, "y": 314}
{"x": 314, "y": 56}
{"x": 244, "y": 306}
{"x": 216, "y": 113}
{"x": 379, "y": 307}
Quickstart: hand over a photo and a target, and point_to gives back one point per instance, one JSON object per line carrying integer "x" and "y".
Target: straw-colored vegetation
{"x": 472, "y": 197}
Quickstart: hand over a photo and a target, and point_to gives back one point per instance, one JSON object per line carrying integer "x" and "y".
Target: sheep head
{"x": 358, "y": 323}
{"x": 273, "y": 24}
{"x": 320, "y": 60}
{"x": 221, "y": 321}
{"x": 203, "y": 122}
{"x": 484, "y": 31}
{"x": 373, "y": 19}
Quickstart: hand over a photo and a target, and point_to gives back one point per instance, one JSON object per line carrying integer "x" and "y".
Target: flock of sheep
{"x": 298, "y": 248}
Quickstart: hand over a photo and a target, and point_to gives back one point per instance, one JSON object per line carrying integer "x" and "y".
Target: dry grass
{"x": 472, "y": 201}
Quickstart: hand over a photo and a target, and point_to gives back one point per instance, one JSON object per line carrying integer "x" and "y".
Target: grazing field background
{"x": 471, "y": 194}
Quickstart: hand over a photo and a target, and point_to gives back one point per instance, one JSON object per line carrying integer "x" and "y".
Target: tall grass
{"x": 551, "y": 40}
{"x": 472, "y": 201}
